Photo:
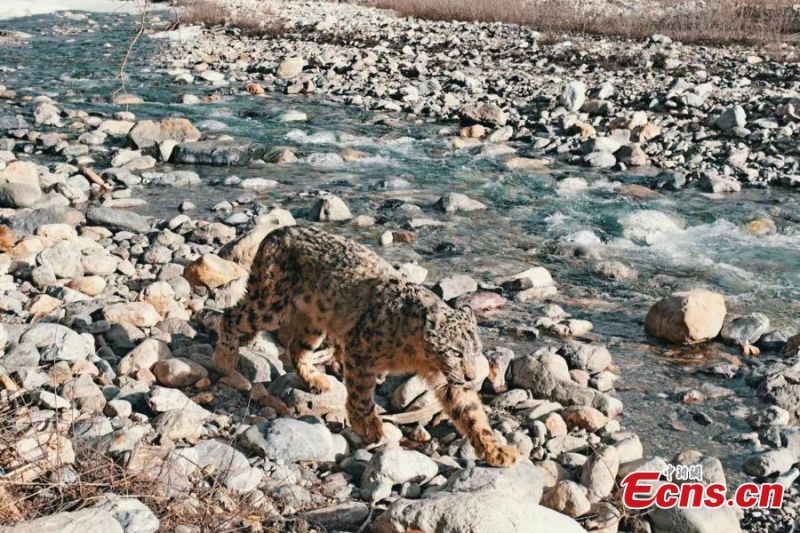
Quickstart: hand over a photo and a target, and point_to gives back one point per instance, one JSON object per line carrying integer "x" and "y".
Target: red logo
{"x": 642, "y": 490}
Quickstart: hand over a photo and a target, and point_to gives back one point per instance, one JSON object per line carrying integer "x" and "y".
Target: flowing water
{"x": 675, "y": 240}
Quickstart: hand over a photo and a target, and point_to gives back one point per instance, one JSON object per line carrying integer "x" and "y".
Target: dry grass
{"x": 715, "y": 21}
{"x": 254, "y": 22}
{"x": 33, "y": 489}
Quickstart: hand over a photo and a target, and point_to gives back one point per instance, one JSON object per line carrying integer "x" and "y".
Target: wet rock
{"x": 330, "y": 208}
{"x": 687, "y": 317}
{"x": 792, "y": 346}
{"x": 290, "y": 440}
{"x": 149, "y": 133}
{"x": 717, "y": 183}
{"x": 452, "y": 202}
{"x": 745, "y": 331}
{"x": 394, "y": 467}
{"x": 614, "y": 270}
{"x": 46, "y": 114}
{"x": 772, "y": 341}
{"x": 218, "y": 153}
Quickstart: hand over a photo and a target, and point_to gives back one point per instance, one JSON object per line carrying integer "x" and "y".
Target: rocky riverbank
{"x": 109, "y": 314}
{"x": 714, "y": 117}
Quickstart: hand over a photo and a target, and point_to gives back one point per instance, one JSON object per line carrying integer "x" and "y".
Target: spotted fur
{"x": 309, "y": 285}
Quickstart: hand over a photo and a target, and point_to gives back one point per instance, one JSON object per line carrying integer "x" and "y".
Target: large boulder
{"x": 687, "y": 317}
{"x": 480, "y": 500}
{"x": 149, "y": 133}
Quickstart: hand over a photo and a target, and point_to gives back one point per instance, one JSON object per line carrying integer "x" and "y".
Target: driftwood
{"x": 94, "y": 177}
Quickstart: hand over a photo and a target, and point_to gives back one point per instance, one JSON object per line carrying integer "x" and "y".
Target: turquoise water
{"x": 699, "y": 239}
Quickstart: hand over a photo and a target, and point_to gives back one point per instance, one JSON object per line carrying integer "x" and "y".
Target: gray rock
{"x": 17, "y": 195}
{"x": 300, "y": 402}
{"x": 117, "y": 219}
{"x": 688, "y": 520}
{"x": 227, "y": 153}
{"x": 770, "y": 463}
{"x": 148, "y": 133}
{"x": 330, "y": 208}
{"x": 455, "y": 286}
{"x": 593, "y": 358}
{"x": 89, "y": 520}
{"x": 57, "y": 343}
{"x": 745, "y": 331}
{"x": 28, "y": 221}
{"x": 733, "y": 117}
{"x": 290, "y": 440}
{"x": 290, "y": 68}
{"x": 480, "y": 500}
{"x": 717, "y": 183}
{"x": 23, "y": 355}
{"x": 573, "y": 96}
{"x": 230, "y": 465}
{"x": 451, "y": 202}
{"x": 481, "y": 113}
{"x": 393, "y": 467}
{"x": 600, "y": 471}
{"x": 63, "y": 258}
{"x": 131, "y": 513}
{"x": 600, "y": 160}
{"x": 342, "y": 516}
{"x": 671, "y": 180}
{"x": 46, "y": 114}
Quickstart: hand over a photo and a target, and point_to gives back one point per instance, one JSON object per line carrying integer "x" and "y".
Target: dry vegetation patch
{"x": 254, "y": 20}
{"x": 713, "y": 21}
